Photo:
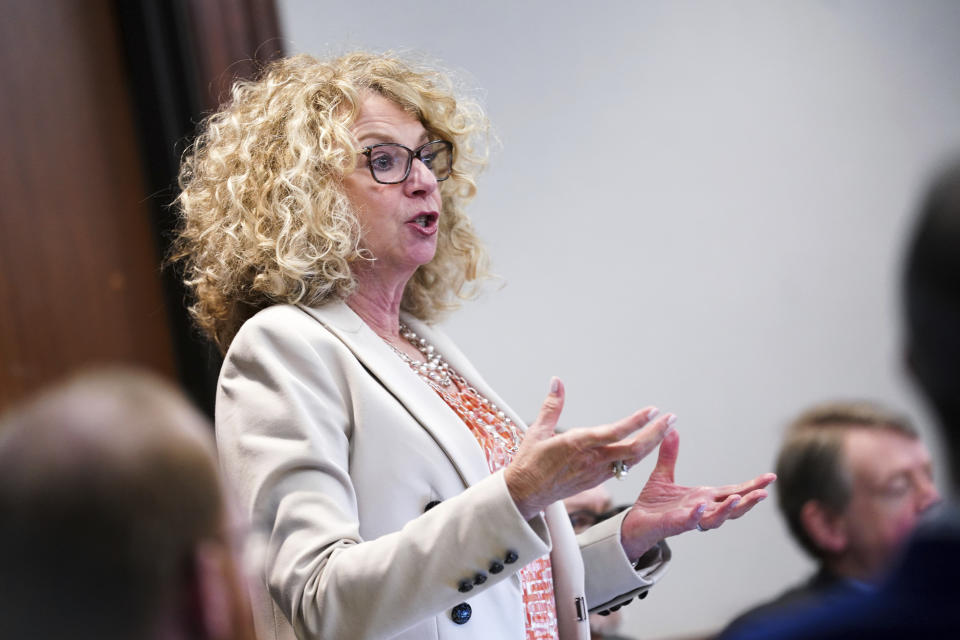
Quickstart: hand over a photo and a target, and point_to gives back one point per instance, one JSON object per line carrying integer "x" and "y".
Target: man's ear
{"x": 826, "y": 529}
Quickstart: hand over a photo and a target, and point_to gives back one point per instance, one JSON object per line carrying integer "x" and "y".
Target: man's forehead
{"x": 881, "y": 451}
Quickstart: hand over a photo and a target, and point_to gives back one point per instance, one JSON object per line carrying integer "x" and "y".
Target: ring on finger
{"x": 700, "y": 527}
{"x": 620, "y": 469}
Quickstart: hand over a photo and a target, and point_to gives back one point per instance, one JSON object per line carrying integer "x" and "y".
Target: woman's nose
{"x": 421, "y": 181}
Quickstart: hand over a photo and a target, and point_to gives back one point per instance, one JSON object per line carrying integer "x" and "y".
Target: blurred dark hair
{"x": 932, "y": 304}
{"x": 106, "y": 483}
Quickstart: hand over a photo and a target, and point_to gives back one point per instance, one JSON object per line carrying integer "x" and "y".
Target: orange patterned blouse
{"x": 499, "y": 440}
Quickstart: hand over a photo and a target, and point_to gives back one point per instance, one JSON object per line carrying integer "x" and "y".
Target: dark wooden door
{"x": 79, "y": 270}
{"x": 97, "y": 98}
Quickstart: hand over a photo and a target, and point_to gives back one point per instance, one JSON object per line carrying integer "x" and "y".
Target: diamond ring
{"x": 620, "y": 469}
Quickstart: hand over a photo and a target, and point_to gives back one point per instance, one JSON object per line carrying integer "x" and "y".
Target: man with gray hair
{"x": 854, "y": 480}
{"x": 919, "y": 598}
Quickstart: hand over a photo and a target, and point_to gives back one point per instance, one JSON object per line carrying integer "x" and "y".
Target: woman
{"x": 323, "y": 229}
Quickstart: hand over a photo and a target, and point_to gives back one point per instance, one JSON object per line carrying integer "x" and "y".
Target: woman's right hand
{"x": 551, "y": 466}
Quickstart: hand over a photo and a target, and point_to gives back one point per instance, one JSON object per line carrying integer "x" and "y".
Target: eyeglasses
{"x": 583, "y": 519}
{"x": 390, "y": 162}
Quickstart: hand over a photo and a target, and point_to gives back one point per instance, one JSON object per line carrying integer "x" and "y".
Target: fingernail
{"x": 554, "y": 385}
{"x": 671, "y": 419}
{"x": 735, "y": 503}
{"x": 652, "y": 413}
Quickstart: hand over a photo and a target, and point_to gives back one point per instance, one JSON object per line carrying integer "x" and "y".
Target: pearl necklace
{"x": 438, "y": 373}
{"x": 435, "y": 368}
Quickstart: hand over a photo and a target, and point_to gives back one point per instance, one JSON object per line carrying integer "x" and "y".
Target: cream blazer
{"x": 336, "y": 449}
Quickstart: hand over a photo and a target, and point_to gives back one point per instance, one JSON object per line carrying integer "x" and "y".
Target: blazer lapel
{"x": 422, "y": 402}
{"x": 461, "y": 364}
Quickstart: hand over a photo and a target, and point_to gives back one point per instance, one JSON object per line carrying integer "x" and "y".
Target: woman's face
{"x": 399, "y": 222}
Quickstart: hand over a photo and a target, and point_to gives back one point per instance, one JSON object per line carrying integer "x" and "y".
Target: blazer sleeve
{"x": 611, "y": 579}
{"x": 284, "y": 422}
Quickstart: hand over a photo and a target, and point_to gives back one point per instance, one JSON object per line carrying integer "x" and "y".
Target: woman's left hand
{"x": 665, "y": 508}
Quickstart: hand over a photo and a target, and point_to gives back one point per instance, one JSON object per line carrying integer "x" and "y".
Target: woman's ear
{"x": 826, "y": 529}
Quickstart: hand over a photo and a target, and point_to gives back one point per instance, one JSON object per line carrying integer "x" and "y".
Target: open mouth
{"x": 425, "y": 220}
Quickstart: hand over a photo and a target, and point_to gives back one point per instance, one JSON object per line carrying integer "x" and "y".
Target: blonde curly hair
{"x": 264, "y": 218}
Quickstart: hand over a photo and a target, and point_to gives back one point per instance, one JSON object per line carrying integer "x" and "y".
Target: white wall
{"x": 699, "y": 205}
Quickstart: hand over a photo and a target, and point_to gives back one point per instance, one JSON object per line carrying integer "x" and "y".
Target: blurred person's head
{"x": 853, "y": 480}
{"x": 113, "y": 519}
{"x": 589, "y": 507}
{"x": 932, "y": 301}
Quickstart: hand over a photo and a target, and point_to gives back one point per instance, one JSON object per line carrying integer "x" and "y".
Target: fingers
{"x": 718, "y": 514}
{"x": 680, "y": 520}
{"x": 646, "y": 440}
{"x": 695, "y": 516}
{"x": 749, "y": 501}
{"x": 546, "y": 422}
{"x": 611, "y": 433}
{"x": 733, "y": 507}
{"x": 667, "y": 458}
{"x": 759, "y": 482}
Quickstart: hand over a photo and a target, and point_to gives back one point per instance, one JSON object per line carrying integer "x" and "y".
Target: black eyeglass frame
{"x": 412, "y": 154}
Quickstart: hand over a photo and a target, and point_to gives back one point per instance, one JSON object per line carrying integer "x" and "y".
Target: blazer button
{"x": 461, "y": 613}
{"x": 480, "y": 578}
{"x": 431, "y": 505}
{"x": 511, "y": 557}
{"x": 464, "y": 586}
{"x": 496, "y": 567}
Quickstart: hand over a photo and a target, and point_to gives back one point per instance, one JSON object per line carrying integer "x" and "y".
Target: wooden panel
{"x": 182, "y": 55}
{"x": 232, "y": 39}
{"x": 79, "y": 274}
